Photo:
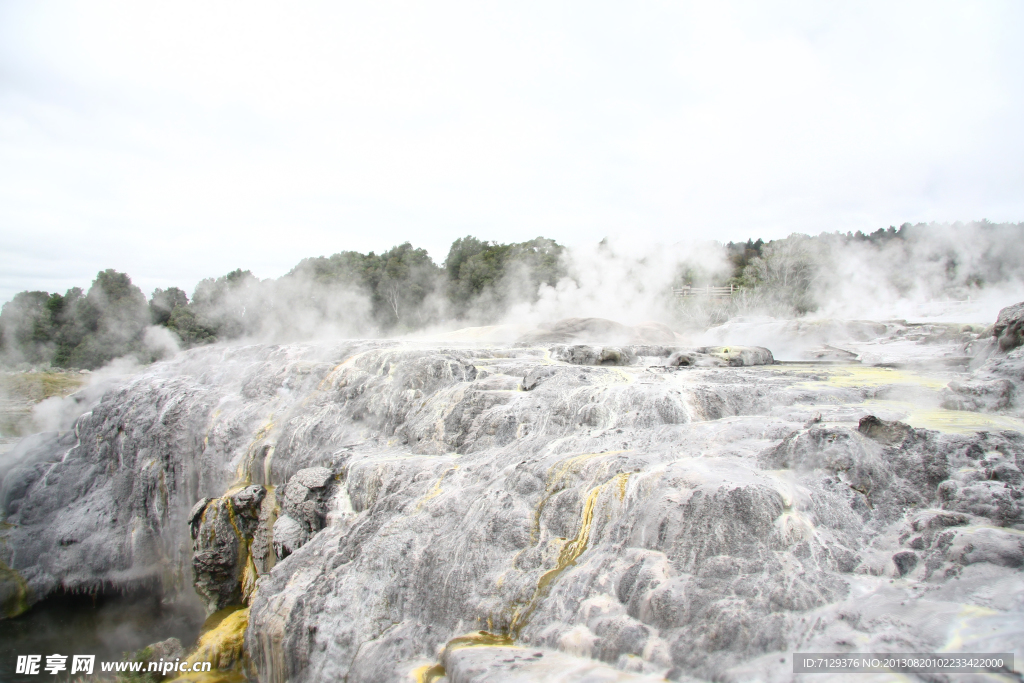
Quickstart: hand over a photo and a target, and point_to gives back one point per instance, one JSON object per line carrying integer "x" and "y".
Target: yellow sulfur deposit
{"x": 220, "y": 643}
{"x": 854, "y": 376}
{"x": 14, "y": 592}
{"x": 570, "y": 551}
{"x": 952, "y": 421}
{"x": 428, "y": 673}
{"x": 923, "y": 410}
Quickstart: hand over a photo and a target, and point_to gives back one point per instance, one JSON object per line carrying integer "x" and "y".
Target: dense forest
{"x": 403, "y": 290}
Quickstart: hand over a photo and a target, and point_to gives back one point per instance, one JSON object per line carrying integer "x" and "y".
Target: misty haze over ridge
{"x": 889, "y": 273}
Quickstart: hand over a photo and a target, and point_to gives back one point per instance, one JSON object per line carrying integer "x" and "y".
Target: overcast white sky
{"x": 180, "y": 140}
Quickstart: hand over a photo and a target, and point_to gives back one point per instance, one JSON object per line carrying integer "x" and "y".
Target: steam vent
{"x": 592, "y": 502}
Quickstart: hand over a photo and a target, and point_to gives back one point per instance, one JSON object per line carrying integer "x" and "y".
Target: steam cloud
{"x": 905, "y": 273}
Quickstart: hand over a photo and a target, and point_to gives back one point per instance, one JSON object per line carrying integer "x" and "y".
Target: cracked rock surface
{"x": 627, "y": 512}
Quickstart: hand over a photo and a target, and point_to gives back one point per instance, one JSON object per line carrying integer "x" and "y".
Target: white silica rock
{"x": 598, "y": 514}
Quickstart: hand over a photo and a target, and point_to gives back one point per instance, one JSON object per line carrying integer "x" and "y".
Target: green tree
{"x": 163, "y": 302}
{"x": 500, "y": 273}
{"x": 228, "y": 307}
{"x": 787, "y": 271}
{"x": 108, "y": 322}
{"x": 741, "y": 254}
{"x": 27, "y": 327}
{"x": 345, "y": 268}
{"x": 461, "y": 287}
{"x": 183, "y": 323}
{"x": 404, "y": 278}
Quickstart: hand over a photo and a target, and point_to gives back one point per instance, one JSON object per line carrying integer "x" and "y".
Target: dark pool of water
{"x": 105, "y": 626}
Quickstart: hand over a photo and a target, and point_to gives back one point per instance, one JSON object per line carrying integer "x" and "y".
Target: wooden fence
{"x": 709, "y": 291}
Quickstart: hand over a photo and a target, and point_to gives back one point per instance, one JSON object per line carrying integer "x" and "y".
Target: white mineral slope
{"x": 871, "y": 342}
{"x": 665, "y": 513}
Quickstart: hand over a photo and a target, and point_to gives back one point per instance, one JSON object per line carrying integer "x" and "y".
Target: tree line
{"x": 399, "y": 290}
{"x": 402, "y": 289}
{"x": 798, "y": 274}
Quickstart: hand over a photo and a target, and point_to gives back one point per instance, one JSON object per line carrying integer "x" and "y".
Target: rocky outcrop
{"x": 304, "y": 509}
{"x": 1009, "y": 328}
{"x": 222, "y": 532}
{"x": 738, "y": 356}
{"x": 100, "y": 513}
{"x": 981, "y": 394}
{"x": 366, "y": 511}
{"x": 997, "y": 385}
{"x": 705, "y": 356}
{"x": 594, "y": 355}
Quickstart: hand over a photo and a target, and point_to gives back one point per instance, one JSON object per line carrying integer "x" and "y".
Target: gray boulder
{"x": 996, "y": 385}
{"x": 739, "y": 356}
{"x": 1009, "y": 327}
{"x": 304, "y": 508}
{"x": 579, "y": 354}
{"x": 980, "y": 395}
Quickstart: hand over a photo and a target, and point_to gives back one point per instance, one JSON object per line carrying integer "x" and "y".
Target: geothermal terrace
{"x": 588, "y": 502}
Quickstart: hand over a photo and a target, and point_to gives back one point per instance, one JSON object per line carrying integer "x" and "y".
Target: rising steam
{"x": 961, "y": 271}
